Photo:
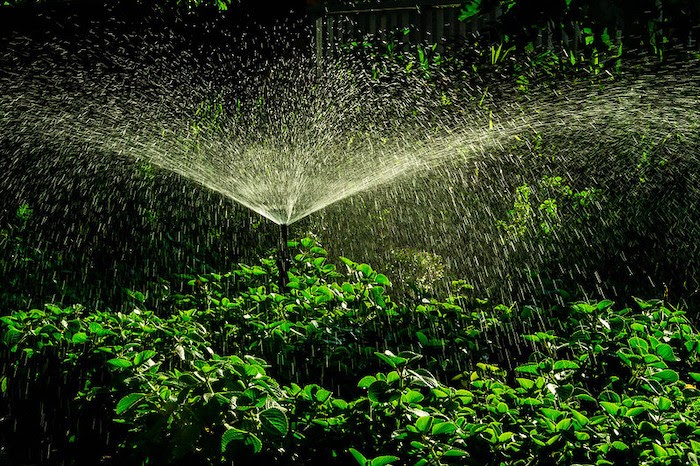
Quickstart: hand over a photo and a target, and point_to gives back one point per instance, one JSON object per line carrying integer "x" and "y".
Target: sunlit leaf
{"x": 273, "y": 421}
{"x": 128, "y": 402}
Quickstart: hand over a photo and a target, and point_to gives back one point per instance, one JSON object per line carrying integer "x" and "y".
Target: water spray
{"x": 283, "y": 261}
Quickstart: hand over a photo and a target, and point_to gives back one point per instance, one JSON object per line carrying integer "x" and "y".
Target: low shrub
{"x": 331, "y": 370}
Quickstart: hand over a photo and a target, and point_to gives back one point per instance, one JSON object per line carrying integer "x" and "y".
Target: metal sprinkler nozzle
{"x": 283, "y": 261}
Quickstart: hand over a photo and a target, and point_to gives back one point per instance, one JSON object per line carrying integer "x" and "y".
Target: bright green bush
{"x": 331, "y": 370}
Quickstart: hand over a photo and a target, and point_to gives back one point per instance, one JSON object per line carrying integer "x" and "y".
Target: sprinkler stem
{"x": 283, "y": 260}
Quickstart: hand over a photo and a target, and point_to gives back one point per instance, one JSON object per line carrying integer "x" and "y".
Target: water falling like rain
{"x": 287, "y": 136}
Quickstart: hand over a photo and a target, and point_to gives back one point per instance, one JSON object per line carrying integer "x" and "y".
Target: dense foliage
{"x": 331, "y": 370}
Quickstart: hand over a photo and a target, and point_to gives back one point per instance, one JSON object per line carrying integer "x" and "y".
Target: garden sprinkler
{"x": 283, "y": 261}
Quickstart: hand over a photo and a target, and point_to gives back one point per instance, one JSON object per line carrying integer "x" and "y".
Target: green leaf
{"x": 666, "y": 375}
{"x": 636, "y": 411}
{"x": 579, "y": 417}
{"x": 564, "y": 424}
{"x": 424, "y": 423}
{"x": 274, "y": 422}
{"x": 604, "y": 304}
{"x": 695, "y": 445}
{"x": 664, "y": 403}
{"x": 322, "y": 395}
{"x": 79, "y": 338}
{"x": 143, "y": 356}
{"x": 564, "y": 364}
{"x": 611, "y": 408}
{"x": 444, "y": 428}
{"x": 505, "y": 436}
{"x": 383, "y": 460}
{"x": 659, "y": 451}
{"x": 455, "y": 453}
{"x": 412, "y": 396}
{"x": 695, "y": 376}
{"x": 119, "y": 362}
{"x": 527, "y": 384}
{"x": 365, "y": 269}
{"x": 639, "y": 343}
{"x": 665, "y": 352}
{"x": 471, "y": 8}
{"x": 253, "y": 441}
{"x": 366, "y": 381}
{"x": 530, "y": 368}
{"x": 618, "y": 445}
{"x": 550, "y": 413}
{"x": 359, "y": 457}
{"x": 393, "y": 360}
{"x": 382, "y": 280}
{"x": 128, "y": 402}
{"x": 380, "y": 392}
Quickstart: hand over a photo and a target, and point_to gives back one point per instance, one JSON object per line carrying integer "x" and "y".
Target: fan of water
{"x": 288, "y": 135}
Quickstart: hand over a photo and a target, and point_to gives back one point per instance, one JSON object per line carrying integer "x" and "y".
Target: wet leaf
{"x": 128, "y": 402}
{"x": 274, "y": 422}
{"x": 119, "y": 362}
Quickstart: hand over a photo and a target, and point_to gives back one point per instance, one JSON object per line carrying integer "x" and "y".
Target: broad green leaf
{"x": 579, "y": 417}
{"x": 390, "y": 358}
{"x": 639, "y": 343}
{"x": 382, "y": 280}
{"x": 564, "y": 424}
{"x": 253, "y": 441}
{"x": 666, "y": 352}
{"x": 695, "y": 445}
{"x": 585, "y": 397}
{"x": 659, "y": 451}
{"x": 359, "y": 457}
{"x": 366, "y": 381}
{"x": 564, "y": 364}
{"x": 666, "y": 375}
{"x": 119, "y": 362}
{"x": 383, "y": 460}
{"x": 455, "y": 453}
{"x": 79, "y": 338}
{"x": 412, "y": 396}
{"x": 143, "y": 356}
{"x": 611, "y": 408}
{"x": 550, "y": 413}
{"x": 636, "y": 411}
{"x": 505, "y": 436}
{"x": 664, "y": 403}
{"x": 128, "y": 402}
{"x": 527, "y": 384}
{"x": 319, "y": 251}
{"x": 469, "y": 9}
{"x": 322, "y": 395}
{"x": 530, "y": 368}
{"x": 365, "y": 269}
{"x": 380, "y": 392}
{"x": 444, "y": 428}
{"x": 618, "y": 445}
{"x": 274, "y": 422}
{"x": 606, "y": 303}
{"x": 424, "y": 423}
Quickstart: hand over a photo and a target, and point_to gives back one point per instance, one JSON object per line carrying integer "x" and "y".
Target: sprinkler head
{"x": 283, "y": 261}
